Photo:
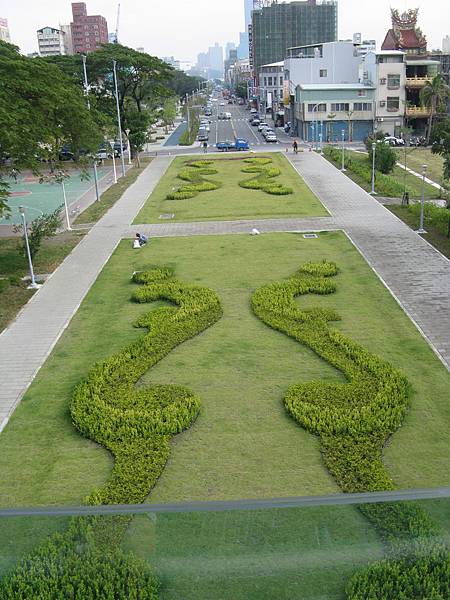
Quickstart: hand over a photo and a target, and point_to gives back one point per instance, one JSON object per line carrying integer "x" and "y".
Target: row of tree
{"x": 44, "y": 108}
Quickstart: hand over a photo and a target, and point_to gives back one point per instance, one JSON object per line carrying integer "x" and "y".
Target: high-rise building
{"x": 229, "y": 46}
{"x": 68, "y": 45}
{"x": 89, "y": 32}
{"x": 446, "y": 44}
{"x": 51, "y": 41}
{"x": 4, "y": 31}
{"x": 277, "y": 27}
{"x": 215, "y": 58}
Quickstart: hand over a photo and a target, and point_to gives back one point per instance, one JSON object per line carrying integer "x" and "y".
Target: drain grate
{"x": 167, "y": 216}
{"x": 310, "y": 236}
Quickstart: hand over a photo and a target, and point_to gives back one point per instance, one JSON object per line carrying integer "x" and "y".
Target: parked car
{"x": 255, "y": 122}
{"x": 263, "y": 125}
{"x": 227, "y": 115}
{"x": 238, "y": 144}
{"x": 221, "y": 116}
{"x": 202, "y": 135}
{"x": 253, "y": 111}
{"x": 103, "y": 154}
{"x": 394, "y": 141}
{"x": 65, "y": 154}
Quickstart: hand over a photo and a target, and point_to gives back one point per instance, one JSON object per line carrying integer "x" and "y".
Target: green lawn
{"x": 231, "y": 201}
{"x": 416, "y": 157}
{"x": 243, "y": 444}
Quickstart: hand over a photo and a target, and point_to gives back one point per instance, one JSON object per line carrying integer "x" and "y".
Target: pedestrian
{"x": 142, "y": 239}
{"x": 295, "y": 146}
{"x": 14, "y": 174}
{"x": 205, "y": 147}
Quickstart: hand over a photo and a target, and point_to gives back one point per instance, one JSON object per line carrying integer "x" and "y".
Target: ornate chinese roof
{"x": 404, "y": 35}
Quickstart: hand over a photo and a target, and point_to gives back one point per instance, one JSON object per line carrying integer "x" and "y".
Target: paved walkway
{"x": 416, "y": 273}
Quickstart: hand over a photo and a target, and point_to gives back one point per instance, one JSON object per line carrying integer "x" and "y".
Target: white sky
{"x": 183, "y": 28}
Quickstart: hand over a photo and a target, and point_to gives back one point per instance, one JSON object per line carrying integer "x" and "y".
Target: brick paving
{"x": 417, "y": 274}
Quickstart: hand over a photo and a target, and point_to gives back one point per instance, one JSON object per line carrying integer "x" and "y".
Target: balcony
{"x": 418, "y": 112}
{"x": 417, "y": 82}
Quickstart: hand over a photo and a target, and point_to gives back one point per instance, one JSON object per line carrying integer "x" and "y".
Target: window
{"x": 317, "y": 108}
{"x": 393, "y": 103}
{"x": 270, "y": 80}
{"x": 323, "y": 73}
{"x": 265, "y": 83}
{"x": 281, "y": 81}
{"x": 340, "y": 107}
{"x": 393, "y": 82}
{"x": 383, "y": 81}
{"x": 358, "y": 106}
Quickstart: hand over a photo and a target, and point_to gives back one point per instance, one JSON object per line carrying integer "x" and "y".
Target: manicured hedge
{"x": 135, "y": 425}
{"x": 353, "y": 421}
{"x": 264, "y": 180}
{"x": 193, "y": 173}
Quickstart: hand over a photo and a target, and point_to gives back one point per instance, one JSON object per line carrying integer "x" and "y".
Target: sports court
{"x": 43, "y": 198}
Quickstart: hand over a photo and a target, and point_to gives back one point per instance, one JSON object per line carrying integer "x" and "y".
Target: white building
{"x": 4, "y": 31}
{"x": 271, "y": 82}
{"x": 446, "y": 45}
{"x": 68, "y": 45}
{"x": 51, "y": 41}
{"x": 386, "y": 71}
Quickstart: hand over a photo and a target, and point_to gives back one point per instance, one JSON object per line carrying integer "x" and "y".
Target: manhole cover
{"x": 167, "y": 216}
{"x": 309, "y": 236}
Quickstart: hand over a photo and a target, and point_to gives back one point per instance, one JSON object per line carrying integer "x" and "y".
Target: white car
{"x": 222, "y": 104}
{"x": 271, "y": 137}
{"x": 394, "y": 141}
{"x": 267, "y": 131}
{"x": 263, "y": 125}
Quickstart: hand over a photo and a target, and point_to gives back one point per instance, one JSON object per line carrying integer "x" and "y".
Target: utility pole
{"x": 119, "y": 124}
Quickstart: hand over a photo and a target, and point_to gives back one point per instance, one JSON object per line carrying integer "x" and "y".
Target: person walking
{"x": 295, "y": 146}
{"x": 205, "y": 147}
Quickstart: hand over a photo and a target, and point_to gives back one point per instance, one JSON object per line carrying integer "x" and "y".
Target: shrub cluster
{"x": 385, "y": 185}
{"x": 135, "y": 424}
{"x": 436, "y": 216}
{"x": 353, "y": 421}
{"x": 264, "y": 180}
{"x": 193, "y": 174}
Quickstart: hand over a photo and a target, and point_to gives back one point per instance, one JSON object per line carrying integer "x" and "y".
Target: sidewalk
{"x": 416, "y": 273}
{"x": 27, "y": 342}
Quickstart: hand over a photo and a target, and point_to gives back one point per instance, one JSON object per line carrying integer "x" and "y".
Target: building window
{"x": 340, "y": 107}
{"x": 265, "y": 85}
{"x": 383, "y": 81}
{"x": 393, "y": 82}
{"x": 270, "y": 80}
{"x": 359, "y": 106}
{"x": 393, "y": 103}
{"x": 281, "y": 81}
{"x": 323, "y": 73}
{"x": 317, "y": 108}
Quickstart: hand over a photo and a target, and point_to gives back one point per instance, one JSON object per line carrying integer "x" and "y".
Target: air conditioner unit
{"x": 383, "y": 81}
{"x": 380, "y": 119}
{"x": 382, "y": 103}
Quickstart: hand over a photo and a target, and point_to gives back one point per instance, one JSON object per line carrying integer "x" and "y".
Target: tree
{"x": 440, "y": 139}
{"x": 182, "y": 84}
{"x": 385, "y": 156}
{"x": 39, "y": 229}
{"x": 241, "y": 90}
{"x": 41, "y": 110}
{"x": 169, "y": 111}
{"x": 433, "y": 95}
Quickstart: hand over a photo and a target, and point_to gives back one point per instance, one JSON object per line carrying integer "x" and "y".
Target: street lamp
{"x": 127, "y": 131}
{"x": 422, "y": 206}
{"x": 343, "y": 169}
{"x": 97, "y": 193}
{"x": 374, "y": 149}
{"x": 111, "y": 143}
{"x": 86, "y": 85}
{"x": 119, "y": 124}
{"x": 69, "y": 228}
{"x": 33, "y": 285}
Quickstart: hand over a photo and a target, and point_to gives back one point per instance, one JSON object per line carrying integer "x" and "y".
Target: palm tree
{"x": 433, "y": 95}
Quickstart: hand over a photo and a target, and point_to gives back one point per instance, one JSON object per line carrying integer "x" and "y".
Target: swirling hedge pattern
{"x": 265, "y": 177}
{"x": 193, "y": 173}
{"x": 135, "y": 424}
{"x": 353, "y": 421}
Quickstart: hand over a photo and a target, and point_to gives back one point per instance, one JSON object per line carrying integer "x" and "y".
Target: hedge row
{"x": 435, "y": 216}
{"x": 353, "y": 421}
{"x": 384, "y": 184}
{"x": 263, "y": 181}
{"x": 193, "y": 173}
{"x": 135, "y": 424}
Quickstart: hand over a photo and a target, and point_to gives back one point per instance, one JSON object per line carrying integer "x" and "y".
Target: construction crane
{"x": 117, "y": 24}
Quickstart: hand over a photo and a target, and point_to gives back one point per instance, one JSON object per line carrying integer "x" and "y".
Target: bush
{"x": 264, "y": 179}
{"x": 135, "y": 425}
{"x": 435, "y": 216}
{"x": 385, "y": 156}
{"x": 193, "y": 173}
{"x": 353, "y": 421}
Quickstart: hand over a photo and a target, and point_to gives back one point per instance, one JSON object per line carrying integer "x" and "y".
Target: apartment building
{"x": 89, "y": 32}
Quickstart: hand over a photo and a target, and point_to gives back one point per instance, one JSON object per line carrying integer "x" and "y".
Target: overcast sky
{"x": 183, "y": 28}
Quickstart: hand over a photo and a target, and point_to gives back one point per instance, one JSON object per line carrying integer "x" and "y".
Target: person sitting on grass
{"x": 142, "y": 239}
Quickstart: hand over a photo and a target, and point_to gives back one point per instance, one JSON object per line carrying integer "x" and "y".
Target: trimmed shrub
{"x": 264, "y": 179}
{"x": 193, "y": 173}
{"x": 135, "y": 425}
{"x": 435, "y": 216}
{"x": 353, "y": 421}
